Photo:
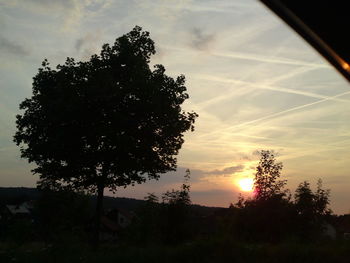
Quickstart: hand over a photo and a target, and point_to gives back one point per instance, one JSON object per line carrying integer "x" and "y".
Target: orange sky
{"x": 254, "y": 83}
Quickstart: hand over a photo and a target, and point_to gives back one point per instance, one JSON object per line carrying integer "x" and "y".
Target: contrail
{"x": 259, "y": 58}
{"x": 277, "y": 114}
{"x": 258, "y": 86}
{"x": 290, "y": 110}
{"x": 254, "y": 57}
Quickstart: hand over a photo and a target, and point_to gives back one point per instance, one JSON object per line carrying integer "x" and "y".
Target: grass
{"x": 200, "y": 251}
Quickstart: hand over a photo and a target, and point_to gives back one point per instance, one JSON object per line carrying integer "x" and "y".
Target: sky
{"x": 254, "y": 82}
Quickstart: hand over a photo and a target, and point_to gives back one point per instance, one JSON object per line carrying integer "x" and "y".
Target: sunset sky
{"x": 253, "y": 81}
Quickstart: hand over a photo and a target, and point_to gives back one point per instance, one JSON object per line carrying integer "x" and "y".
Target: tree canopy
{"x": 271, "y": 214}
{"x": 312, "y": 204}
{"x": 109, "y": 121}
{"x": 266, "y": 182}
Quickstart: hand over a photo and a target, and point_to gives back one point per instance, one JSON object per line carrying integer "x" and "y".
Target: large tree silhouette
{"x": 108, "y": 122}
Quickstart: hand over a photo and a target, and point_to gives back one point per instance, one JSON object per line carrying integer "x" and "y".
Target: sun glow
{"x": 246, "y": 184}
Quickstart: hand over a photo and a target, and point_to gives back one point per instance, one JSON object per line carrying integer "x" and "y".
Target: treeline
{"x": 273, "y": 214}
{"x": 67, "y": 216}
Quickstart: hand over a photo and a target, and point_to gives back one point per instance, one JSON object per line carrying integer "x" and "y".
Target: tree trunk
{"x": 99, "y": 213}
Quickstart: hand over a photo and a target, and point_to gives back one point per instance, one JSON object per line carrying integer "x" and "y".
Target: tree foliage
{"x": 266, "y": 182}
{"x": 271, "y": 214}
{"x": 109, "y": 121}
{"x": 312, "y": 209}
{"x": 304, "y": 199}
{"x": 62, "y": 214}
{"x": 312, "y": 204}
{"x": 322, "y": 200}
{"x": 179, "y": 197}
{"x": 166, "y": 221}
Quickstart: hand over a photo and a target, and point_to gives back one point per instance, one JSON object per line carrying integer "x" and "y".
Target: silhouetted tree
{"x": 146, "y": 226}
{"x": 305, "y": 200}
{"x": 108, "y": 122}
{"x": 312, "y": 209}
{"x": 179, "y": 197}
{"x": 266, "y": 182}
{"x": 322, "y": 200}
{"x": 151, "y": 199}
{"x": 240, "y": 202}
{"x": 175, "y": 205}
{"x": 62, "y": 214}
{"x": 166, "y": 221}
{"x": 312, "y": 204}
{"x": 268, "y": 215}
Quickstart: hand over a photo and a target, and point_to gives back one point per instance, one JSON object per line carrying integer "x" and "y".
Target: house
{"x": 122, "y": 217}
{"x": 343, "y": 226}
{"x": 329, "y": 231}
{"x": 113, "y": 222}
{"x": 18, "y": 211}
{"x": 109, "y": 229}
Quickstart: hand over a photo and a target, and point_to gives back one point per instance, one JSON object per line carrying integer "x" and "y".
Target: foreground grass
{"x": 200, "y": 251}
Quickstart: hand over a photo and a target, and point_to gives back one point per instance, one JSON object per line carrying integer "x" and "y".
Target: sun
{"x": 246, "y": 184}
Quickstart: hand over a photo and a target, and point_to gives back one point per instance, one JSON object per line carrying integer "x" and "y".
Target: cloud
{"x": 14, "y": 48}
{"x": 168, "y": 11}
{"x": 178, "y": 176}
{"x": 88, "y": 43}
{"x": 215, "y": 197}
{"x": 226, "y": 171}
{"x": 50, "y": 3}
{"x": 72, "y": 11}
{"x": 200, "y": 40}
{"x": 197, "y": 175}
{"x": 87, "y": 40}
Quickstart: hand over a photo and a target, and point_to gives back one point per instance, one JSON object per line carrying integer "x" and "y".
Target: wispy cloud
{"x": 201, "y": 40}
{"x": 72, "y": 11}
{"x": 8, "y": 46}
{"x": 226, "y": 171}
{"x": 280, "y": 113}
{"x": 254, "y": 85}
{"x": 88, "y": 44}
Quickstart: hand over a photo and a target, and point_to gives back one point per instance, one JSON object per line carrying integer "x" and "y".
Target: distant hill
{"x": 15, "y": 195}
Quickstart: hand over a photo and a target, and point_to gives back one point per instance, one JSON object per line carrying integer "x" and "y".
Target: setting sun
{"x": 246, "y": 184}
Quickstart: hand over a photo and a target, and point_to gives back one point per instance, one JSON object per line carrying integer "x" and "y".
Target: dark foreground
{"x": 200, "y": 251}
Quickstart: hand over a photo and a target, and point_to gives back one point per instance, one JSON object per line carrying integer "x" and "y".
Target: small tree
{"x": 269, "y": 214}
{"x": 62, "y": 214}
{"x": 179, "y": 197}
{"x": 176, "y": 212}
{"x": 146, "y": 225}
{"x": 151, "y": 199}
{"x": 266, "y": 182}
{"x": 312, "y": 204}
{"x": 311, "y": 209}
{"x": 107, "y": 122}
{"x": 305, "y": 200}
{"x": 166, "y": 221}
{"x": 322, "y": 200}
